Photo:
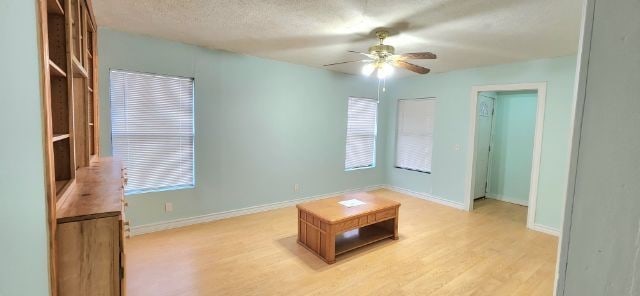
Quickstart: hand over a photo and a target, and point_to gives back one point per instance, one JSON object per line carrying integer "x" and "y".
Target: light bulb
{"x": 388, "y": 69}
{"x": 368, "y": 69}
{"x": 385, "y": 71}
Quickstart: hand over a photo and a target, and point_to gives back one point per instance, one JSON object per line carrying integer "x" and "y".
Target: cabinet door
{"x": 88, "y": 257}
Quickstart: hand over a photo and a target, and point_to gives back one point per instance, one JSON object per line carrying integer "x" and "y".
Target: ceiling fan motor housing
{"x": 382, "y": 50}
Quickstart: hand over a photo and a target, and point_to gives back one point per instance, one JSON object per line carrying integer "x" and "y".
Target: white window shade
{"x": 362, "y": 117}
{"x": 414, "y": 143}
{"x": 152, "y": 130}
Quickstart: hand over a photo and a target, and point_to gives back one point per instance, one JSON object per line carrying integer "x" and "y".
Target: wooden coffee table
{"x": 328, "y": 228}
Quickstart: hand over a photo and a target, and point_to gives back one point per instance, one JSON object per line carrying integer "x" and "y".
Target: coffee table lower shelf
{"x": 357, "y": 238}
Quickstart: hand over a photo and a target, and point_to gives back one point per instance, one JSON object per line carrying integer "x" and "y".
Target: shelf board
{"x": 61, "y": 186}
{"x": 356, "y": 238}
{"x": 54, "y": 7}
{"x": 55, "y": 70}
{"x": 90, "y": 123}
{"x": 58, "y": 137}
{"x": 90, "y": 89}
{"x": 78, "y": 69}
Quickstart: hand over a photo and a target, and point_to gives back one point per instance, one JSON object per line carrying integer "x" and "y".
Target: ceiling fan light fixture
{"x": 381, "y": 74}
{"x": 384, "y": 71}
{"x": 368, "y": 69}
{"x": 388, "y": 68}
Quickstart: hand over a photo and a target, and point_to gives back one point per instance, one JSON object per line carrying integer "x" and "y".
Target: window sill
{"x": 361, "y": 168}
{"x": 413, "y": 170}
{"x": 163, "y": 189}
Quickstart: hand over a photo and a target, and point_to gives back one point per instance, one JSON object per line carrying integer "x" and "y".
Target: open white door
{"x": 483, "y": 141}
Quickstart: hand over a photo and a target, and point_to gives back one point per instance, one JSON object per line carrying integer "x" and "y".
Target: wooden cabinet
{"x": 85, "y": 198}
{"x": 91, "y": 231}
{"x": 88, "y": 258}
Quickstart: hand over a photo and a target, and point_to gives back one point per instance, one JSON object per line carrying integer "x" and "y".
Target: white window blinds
{"x": 152, "y": 130}
{"x": 361, "y": 133}
{"x": 414, "y": 142}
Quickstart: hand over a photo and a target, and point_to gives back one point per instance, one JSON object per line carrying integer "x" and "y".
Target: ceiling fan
{"x": 382, "y": 58}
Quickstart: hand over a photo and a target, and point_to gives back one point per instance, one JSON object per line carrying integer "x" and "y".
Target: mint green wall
{"x": 452, "y": 90}
{"x": 23, "y": 250}
{"x": 512, "y": 149}
{"x": 261, "y": 126}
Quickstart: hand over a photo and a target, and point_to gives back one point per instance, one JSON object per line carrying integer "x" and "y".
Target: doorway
{"x": 505, "y": 143}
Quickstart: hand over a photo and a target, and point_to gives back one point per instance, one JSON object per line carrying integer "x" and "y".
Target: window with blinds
{"x": 362, "y": 114}
{"x": 414, "y": 137}
{"x": 152, "y": 130}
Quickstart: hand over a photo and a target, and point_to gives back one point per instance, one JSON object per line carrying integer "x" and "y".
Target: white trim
{"x": 580, "y": 89}
{"x": 541, "y": 88}
{"x": 545, "y": 229}
{"x": 176, "y": 223}
{"x": 426, "y": 196}
{"x": 182, "y": 222}
{"x": 507, "y": 199}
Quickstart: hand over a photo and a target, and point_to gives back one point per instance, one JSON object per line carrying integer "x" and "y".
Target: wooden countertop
{"x": 97, "y": 192}
{"x": 331, "y": 211}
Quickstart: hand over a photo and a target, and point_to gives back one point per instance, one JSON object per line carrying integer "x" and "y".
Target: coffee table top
{"x": 330, "y": 210}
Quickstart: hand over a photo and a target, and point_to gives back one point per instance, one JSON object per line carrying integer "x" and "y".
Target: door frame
{"x": 541, "y": 88}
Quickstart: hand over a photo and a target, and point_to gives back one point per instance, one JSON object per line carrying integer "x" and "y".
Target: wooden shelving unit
{"x": 59, "y": 109}
{"x": 70, "y": 99}
{"x": 58, "y": 137}
{"x": 60, "y": 185}
{"x": 78, "y": 69}
{"x": 55, "y": 70}
{"x": 91, "y": 64}
{"x": 54, "y": 7}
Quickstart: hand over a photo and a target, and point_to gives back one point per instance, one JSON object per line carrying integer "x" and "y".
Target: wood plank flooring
{"x": 441, "y": 251}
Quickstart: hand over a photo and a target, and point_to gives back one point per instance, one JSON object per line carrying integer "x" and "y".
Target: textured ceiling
{"x": 463, "y": 33}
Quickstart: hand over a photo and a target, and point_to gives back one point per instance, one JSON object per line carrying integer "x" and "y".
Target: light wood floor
{"x": 441, "y": 251}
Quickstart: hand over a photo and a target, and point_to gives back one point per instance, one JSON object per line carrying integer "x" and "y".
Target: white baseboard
{"x": 508, "y": 199}
{"x": 534, "y": 226}
{"x": 545, "y": 229}
{"x": 426, "y": 196}
{"x": 153, "y": 227}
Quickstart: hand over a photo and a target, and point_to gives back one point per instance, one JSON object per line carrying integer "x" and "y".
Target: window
{"x": 414, "y": 142}
{"x": 362, "y": 116}
{"x": 152, "y": 130}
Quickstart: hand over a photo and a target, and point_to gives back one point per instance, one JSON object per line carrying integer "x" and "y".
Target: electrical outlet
{"x": 296, "y": 188}
{"x": 168, "y": 207}
{"x": 456, "y": 147}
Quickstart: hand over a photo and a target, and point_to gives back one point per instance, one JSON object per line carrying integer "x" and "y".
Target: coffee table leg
{"x": 395, "y": 224}
{"x": 331, "y": 246}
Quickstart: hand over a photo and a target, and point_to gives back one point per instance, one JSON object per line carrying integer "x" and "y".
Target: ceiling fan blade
{"x": 356, "y": 61}
{"x": 417, "y": 56}
{"x": 411, "y": 67}
{"x": 362, "y": 53}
